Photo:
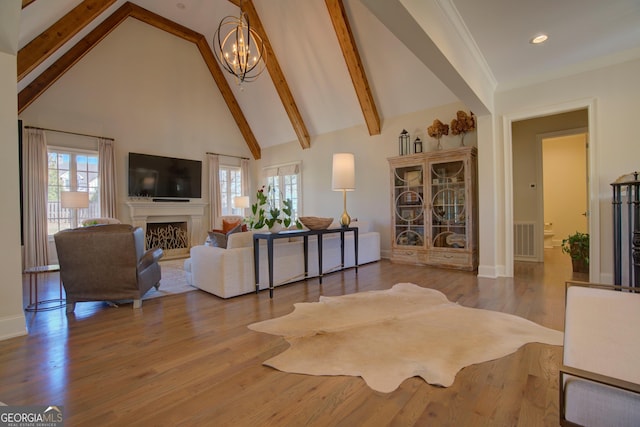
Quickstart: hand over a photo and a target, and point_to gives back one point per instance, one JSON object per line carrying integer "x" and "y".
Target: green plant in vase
{"x": 287, "y": 210}
{"x": 577, "y": 246}
{"x": 266, "y": 211}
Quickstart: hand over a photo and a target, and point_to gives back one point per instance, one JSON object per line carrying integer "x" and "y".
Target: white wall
{"x": 616, "y": 94}
{"x": 151, "y": 92}
{"x": 371, "y": 200}
{"x": 12, "y": 320}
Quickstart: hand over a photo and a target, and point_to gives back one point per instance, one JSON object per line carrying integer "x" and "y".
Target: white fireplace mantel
{"x": 143, "y": 212}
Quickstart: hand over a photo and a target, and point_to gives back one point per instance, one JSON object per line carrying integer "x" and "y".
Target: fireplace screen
{"x": 168, "y": 236}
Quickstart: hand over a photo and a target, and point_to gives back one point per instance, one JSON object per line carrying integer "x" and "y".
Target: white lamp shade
{"x": 241, "y": 202}
{"x": 74, "y": 199}
{"x": 344, "y": 172}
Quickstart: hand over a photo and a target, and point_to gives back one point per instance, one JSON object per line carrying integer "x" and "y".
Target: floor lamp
{"x": 344, "y": 179}
{"x": 74, "y": 200}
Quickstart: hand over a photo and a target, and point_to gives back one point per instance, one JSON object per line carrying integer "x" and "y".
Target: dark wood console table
{"x": 270, "y": 237}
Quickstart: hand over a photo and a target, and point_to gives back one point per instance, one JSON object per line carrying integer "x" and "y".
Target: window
{"x": 285, "y": 180}
{"x": 71, "y": 170}
{"x": 230, "y": 187}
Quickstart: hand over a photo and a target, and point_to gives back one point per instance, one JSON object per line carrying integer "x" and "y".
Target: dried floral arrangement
{"x": 462, "y": 124}
{"x": 437, "y": 129}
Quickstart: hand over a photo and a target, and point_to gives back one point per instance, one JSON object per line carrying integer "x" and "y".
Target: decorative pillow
{"x": 218, "y": 238}
{"x": 229, "y": 225}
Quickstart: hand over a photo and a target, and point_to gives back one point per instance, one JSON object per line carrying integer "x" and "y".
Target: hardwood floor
{"x": 190, "y": 359}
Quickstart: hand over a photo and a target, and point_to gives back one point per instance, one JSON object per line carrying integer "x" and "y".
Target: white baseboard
{"x": 491, "y": 271}
{"x": 12, "y": 326}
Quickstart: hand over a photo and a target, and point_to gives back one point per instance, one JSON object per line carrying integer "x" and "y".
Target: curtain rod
{"x": 229, "y": 155}
{"x": 70, "y": 133}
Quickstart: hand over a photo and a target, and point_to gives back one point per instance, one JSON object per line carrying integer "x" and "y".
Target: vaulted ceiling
{"x": 335, "y": 64}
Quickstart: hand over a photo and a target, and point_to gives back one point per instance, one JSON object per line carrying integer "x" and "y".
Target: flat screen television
{"x": 164, "y": 177}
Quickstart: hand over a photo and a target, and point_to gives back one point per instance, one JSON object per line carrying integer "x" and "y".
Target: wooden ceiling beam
{"x": 73, "y": 55}
{"x": 354, "y": 64}
{"x": 277, "y": 76}
{"x": 227, "y": 94}
{"x": 38, "y": 86}
{"x": 209, "y": 58}
{"x": 41, "y": 47}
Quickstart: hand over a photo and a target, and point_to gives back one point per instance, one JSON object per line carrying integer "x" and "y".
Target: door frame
{"x": 594, "y": 208}
{"x": 540, "y": 170}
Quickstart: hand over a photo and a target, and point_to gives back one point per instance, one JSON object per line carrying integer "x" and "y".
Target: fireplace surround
{"x": 146, "y": 211}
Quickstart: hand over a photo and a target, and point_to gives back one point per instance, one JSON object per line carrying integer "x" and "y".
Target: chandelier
{"x": 239, "y": 49}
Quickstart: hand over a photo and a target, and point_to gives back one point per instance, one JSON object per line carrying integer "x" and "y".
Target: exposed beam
{"x": 227, "y": 94}
{"x": 26, "y": 3}
{"x": 277, "y": 76}
{"x": 354, "y": 64}
{"x": 40, "y": 48}
{"x": 71, "y": 57}
{"x": 163, "y": 23}
{"x": 209, "y": 59}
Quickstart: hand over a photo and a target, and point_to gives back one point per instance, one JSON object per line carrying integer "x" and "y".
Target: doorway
{"x": 564, "y": 187}
{"x": 521, "y": 194}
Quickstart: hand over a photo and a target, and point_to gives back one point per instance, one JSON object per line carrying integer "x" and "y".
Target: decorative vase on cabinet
{"x": 434, "y": 208}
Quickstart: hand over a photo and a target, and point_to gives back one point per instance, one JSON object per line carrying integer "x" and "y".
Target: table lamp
{"x": 241, "y": 202}
{"x": 74, "y": 200}
{"x": 343, "y": 179}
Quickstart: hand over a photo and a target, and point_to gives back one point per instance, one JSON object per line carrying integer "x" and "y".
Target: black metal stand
{"x": 629, "y": 192}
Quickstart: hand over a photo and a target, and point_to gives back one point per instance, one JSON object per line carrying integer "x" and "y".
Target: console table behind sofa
{"x": 270, "y": 237}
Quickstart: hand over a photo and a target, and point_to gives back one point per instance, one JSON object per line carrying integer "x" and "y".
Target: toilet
{"x": 548, "y": 235}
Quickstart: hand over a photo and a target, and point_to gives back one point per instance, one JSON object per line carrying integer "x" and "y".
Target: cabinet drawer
{"x": 449, "y": 258}
{"x": 406, "y": 255}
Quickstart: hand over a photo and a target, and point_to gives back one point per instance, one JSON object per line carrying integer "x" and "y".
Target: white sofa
{"x": 230, "y": 272}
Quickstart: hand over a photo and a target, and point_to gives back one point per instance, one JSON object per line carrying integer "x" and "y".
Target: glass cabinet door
{"x": 448, "y": 214}
{"x": 409, "y": 217}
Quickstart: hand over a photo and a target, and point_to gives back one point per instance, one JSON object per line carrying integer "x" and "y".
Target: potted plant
{"x": 577, "y": 246}
{"x": 267, "y": 212}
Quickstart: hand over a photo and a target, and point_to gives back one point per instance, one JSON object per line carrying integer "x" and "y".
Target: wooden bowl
{"x": 315, "y": 223}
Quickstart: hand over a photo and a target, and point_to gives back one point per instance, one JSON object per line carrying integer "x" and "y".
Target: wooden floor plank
{"x": 190, "y": 359}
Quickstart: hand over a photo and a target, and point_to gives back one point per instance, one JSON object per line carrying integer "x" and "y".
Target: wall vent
{"x": 524, "y": 244}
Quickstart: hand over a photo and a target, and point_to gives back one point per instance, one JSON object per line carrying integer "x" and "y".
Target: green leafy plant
{"x": 577, "y": 246}
{"x": 265, "y": 211}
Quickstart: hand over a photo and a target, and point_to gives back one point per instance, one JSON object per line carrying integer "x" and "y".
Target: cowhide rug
{"x": 388, "y": 336}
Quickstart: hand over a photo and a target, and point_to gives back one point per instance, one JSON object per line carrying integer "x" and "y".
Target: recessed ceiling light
{"x": 181, "y": 6}
{"x": 540, "y": 38}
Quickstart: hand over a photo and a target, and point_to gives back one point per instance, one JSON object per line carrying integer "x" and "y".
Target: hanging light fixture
{"x": 239, "y": 49}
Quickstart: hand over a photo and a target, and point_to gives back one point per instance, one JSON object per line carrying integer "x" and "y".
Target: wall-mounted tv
{"x": 164, "y": 177}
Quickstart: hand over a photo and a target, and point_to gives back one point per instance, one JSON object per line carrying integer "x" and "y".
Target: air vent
{"x": 524, "y": 240}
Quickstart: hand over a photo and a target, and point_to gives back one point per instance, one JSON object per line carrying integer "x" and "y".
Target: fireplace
{"x": 173, "y": 226}
{"x": 172, "y": 237}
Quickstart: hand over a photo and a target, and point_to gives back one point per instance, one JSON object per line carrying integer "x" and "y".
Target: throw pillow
{"x": 229, "y": 225}
{"x": 218, "y": 238}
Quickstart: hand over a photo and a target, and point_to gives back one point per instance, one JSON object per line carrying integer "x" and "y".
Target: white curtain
{"x": 214, "y": 188}
{"x": 107, "y": 174}
{"x": 244, "y": 176}
{"x": 35, "y": 173}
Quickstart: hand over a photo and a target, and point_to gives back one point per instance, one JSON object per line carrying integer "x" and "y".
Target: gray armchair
{"x": 106, "y": 263}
